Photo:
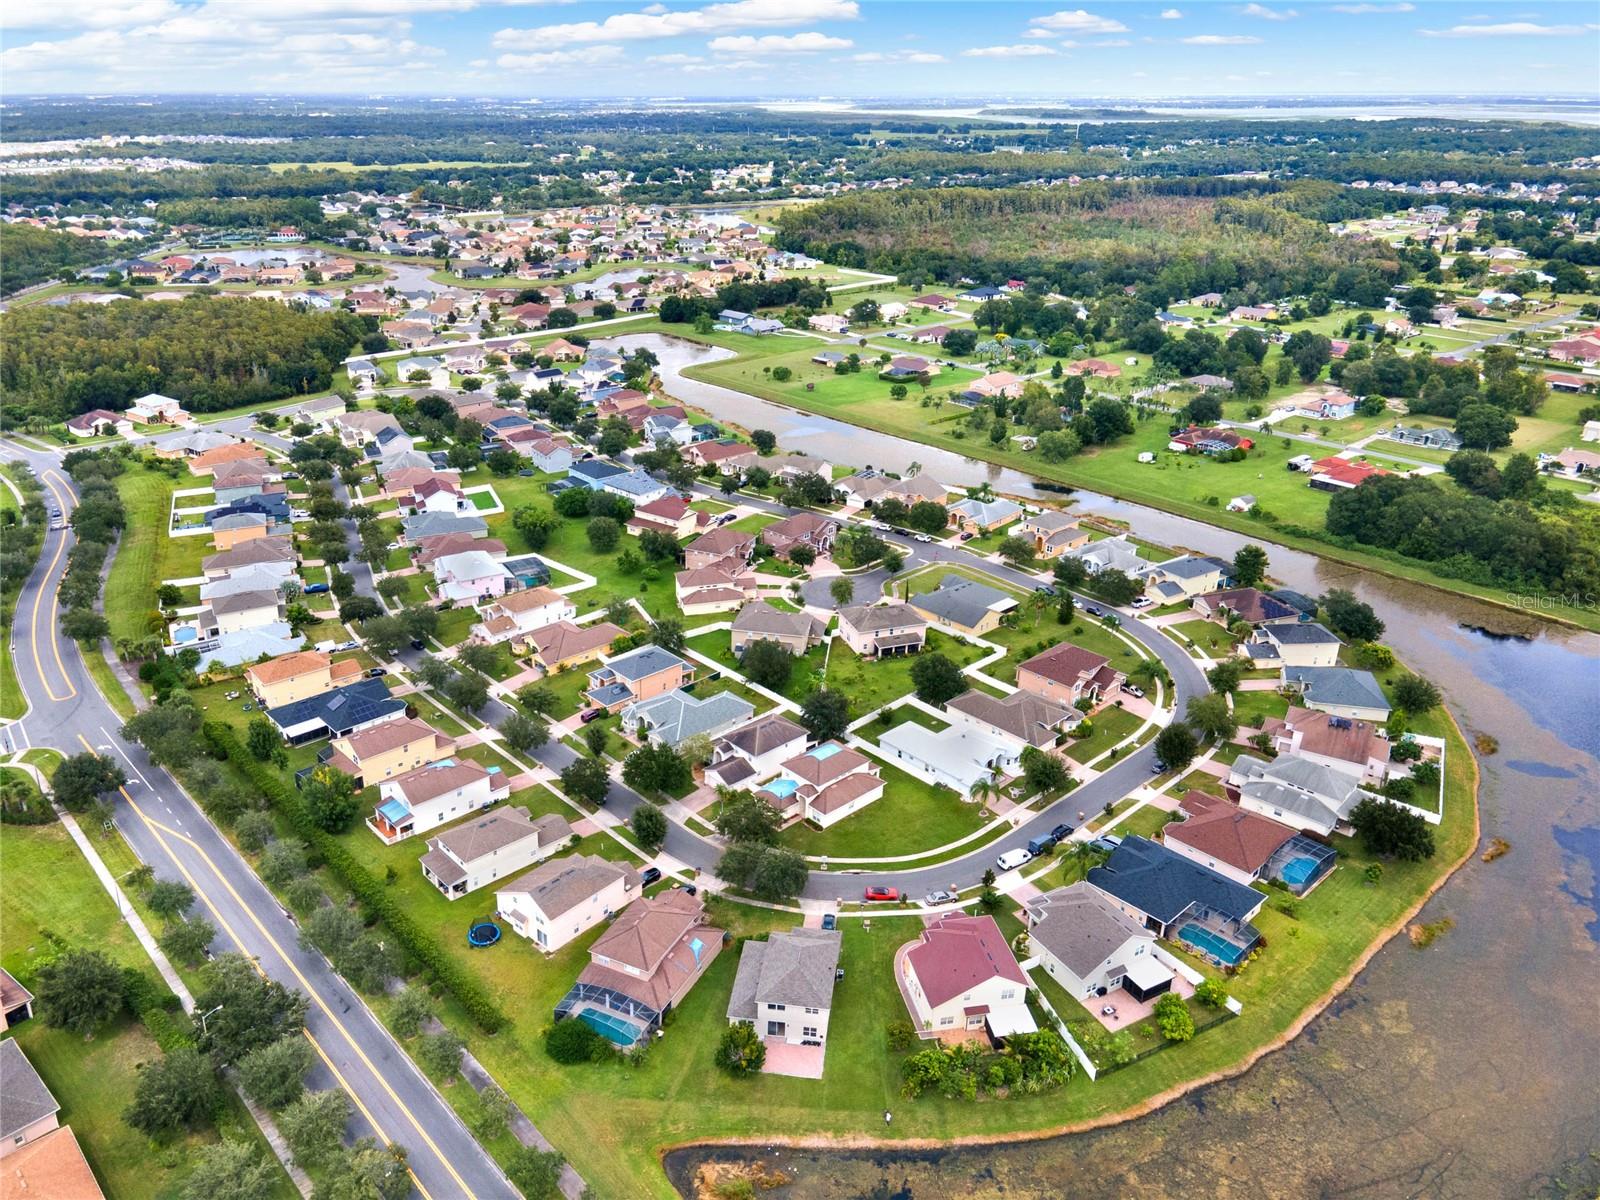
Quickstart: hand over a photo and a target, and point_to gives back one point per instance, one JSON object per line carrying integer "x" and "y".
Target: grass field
{"x": 910, "y": 816}
{"x": 146, "y": 555}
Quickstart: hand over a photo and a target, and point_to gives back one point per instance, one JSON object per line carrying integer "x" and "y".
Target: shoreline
{"x": 1161, "y": 1099}
{"x": 1266, "y": 533}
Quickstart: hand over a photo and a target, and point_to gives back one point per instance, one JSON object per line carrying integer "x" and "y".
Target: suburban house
{"x": 545, "y": 454}
{"x": 1250, "y": 605}
{"x": 1338, "y": 691}
{"x": 960, "y": 757}
{"x": 882, "y": 630}
{"x": 1096, "y": 368}
{"x": 1334, "y": 474}
{"x": 999, "y": 383}
{"x": 363, "y": 426}
{"x": 207, "y": 461}
{"x": 673, "y": 718}
{"x": 961, "y": 975}
{"x": 1181, "y": 900}
{"x": 714, "y": 589}
{"x": 99, "y": 422}
{"x": 517, "y": 614}
{"x": 386, "y": 750}
{"x": 431, "y": 549}
{"x": 1296, "y": 791}
{"x": 1019, "y": 719}
{"x": 1185, "y": 577}
{"x": 435, "y": 795}
{"x": 761, "y": 621}
{"x": 802, "y": 529}
{"x": 1052, "y": 533}
{"x": 564, "y": 644}
{"x": 643, "y": 966}
{"x": 1244, "y": 845}
{"x": 1067, "y": 674}
{"x": 640, "y": 674}
{"x": 670, "y": 515}
{"x": 1091, "y": 947}
{"x": 1337, "y": 742}
{"x": 42, "y": 1157}
{"x": 983, "y": 516}
{"x": 823, "y": 785}
{"x": 727, "y": 548}
{"x": 784, "y": 985}
{"x": 234, "y": 529}
{"x": 1326, "y": 406}
{"x": 1108, "y": 554}
{"x": 755, "y": 751}
{"x": 437, "y": 495}
{"x": 16, "y": 1001}
{"x": 237, "y": 612}
{"x": 964, "y": 605}
{"x": 156, "y": 409}
{"x": 298, "y": 676}
{"x": 337, "y": 712}
{"x": 562, "y": 898}
{"x": 469, "y": 576}
{"x": 1197, "y": 439}
{"x": 477, "y": 853}
{"x": 29, "y": 1112}
{"x": 276, "y": 552}
{"x": 1302, "y": 644}
{"x": 416, "y": 528}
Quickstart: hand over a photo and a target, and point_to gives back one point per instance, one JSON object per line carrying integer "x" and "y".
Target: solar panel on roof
{"x": 336, "y": 703}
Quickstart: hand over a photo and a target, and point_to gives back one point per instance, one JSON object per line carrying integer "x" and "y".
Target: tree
{"x": 84, "y": 778}
{"x": 314, "y": 1126}
{"x": 654, "y": 768}
{"x": 769, "y": 873}
{"x": 1226, "y": 676}
{"x": 1352, "y": 619}
{"x": 1116, "y": 586}
{"x": 649, "y": 826}
{"x": 537, "y": 1173}
{"x": 366, "y": 1171}
{"x": 535, "y": 524}
{"x": 274, "y": 1074}
{"x": 1043, "y": 771}
{"x": 936, "y": 679}
{"x": 603, "y": 533}
{"x": 842, "y": 590}
{"x": 1484, "y": 426}
{"x": 596, "y": 738}
{"x": 262, "y": 739}
{"x": 79, "y": 991}
{"x": 1176, "y": 746}
{"x": 467, "y": 690}
{"x": 178, "y": 1091}
{"x": 768, "y": 664}
{"x": 440, "y": 1054}
{"x": 1069, "y": 572}
{"x": 1249, "y": 566}
{"x": 573, "y": 1041}
{"x": 927, "y": 517}
{"x": 84, "y": 625}
{"x": 187, "y": 941}
{"x": 330, "y": 797}
{"x": 764, "y": 440}
{"x": 1212, "y": 717}
{"x": 1415, "y": 694}
{"x": 230, "y": 1170}
{"x": 1173, "y": 1019}
{"x": 251, "y": 1011}
{"x": 538, "y": 699}
{"x": 825, "y": 714}
{"x": 502, "y": 461}
{"x": 745, "y": 817}
{"x": 586, "y": 780}
{"x": 522, "y": 734}
{"x": 1018, "y": 551}
{"x": 1388, "y": 829}
{"x": 1211, "y": 993}
{"x": 254, "y": 831}
{"x": 741, "y": 1050}
{"x": 668, "y": 634}
{"x": 169, "y": 898}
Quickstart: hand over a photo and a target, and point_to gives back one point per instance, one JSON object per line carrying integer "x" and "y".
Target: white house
{"x": 958, "y": 757}
{"x": 824, "y": 785}
{"x": 1295, "y": 791}
{"x": 562, "y": 898}
{"x": 784, "y": 985}
{"x": 755, "y": 752}
{"x": 469, "y": 576}
{"x": 961, "y": 974}
{"x": 435, "y": 795}
{"x": 476, "y": 853}
{"x": 516, "y": 614}
{"x": 1091, "y": 947}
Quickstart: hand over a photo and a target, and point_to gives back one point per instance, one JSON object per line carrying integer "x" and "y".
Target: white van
{"x": 1012, "y": 859}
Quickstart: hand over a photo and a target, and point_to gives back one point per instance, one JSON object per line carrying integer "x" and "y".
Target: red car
{"x": 882, "y": 893}
{"x": 592, "y": 714}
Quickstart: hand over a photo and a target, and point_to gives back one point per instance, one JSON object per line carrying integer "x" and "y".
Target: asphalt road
{"x": 168, "y": 831}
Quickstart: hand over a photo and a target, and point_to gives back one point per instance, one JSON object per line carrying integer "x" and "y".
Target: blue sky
{"x": 987, "y": 49}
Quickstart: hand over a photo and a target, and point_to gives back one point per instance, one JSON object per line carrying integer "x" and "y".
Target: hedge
{"x": 369, "y": 891}
{"x": 154, "y": 1007}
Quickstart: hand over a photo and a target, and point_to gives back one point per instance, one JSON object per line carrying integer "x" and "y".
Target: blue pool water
{"x": 613, "y": 1029}
{"x": 1218, "y": 947}
{"x": 185, "y": 635}
{"x": 824, "y": 752}
{"x": 783, "y": 787}
{"x": 1297, "y": 870}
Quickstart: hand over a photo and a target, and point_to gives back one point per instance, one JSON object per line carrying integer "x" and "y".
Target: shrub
{"x": 1172, "y": 1016}
{"x": 741, "y": 1050}
{"x": 573, "y": 1041}
{"x": 901, "y": 1035}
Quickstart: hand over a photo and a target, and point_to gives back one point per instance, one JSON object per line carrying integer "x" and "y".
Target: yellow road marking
{"x": 55, "y": 609}
{"x": 160, "y": 828}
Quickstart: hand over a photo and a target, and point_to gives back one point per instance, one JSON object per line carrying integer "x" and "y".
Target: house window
{"x": 1009, "y": 994}
{"x": 775, "y": 1007}
{"x": 947, "y": 1020}
{"x": 811, "y": 1012}
{"x": 776, "y": 1029}
{"x": 809, "y": 1031}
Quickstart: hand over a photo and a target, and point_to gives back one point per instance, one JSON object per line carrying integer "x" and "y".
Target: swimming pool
{"x": 1297, "y": 870}
{"x": 783, "y": 788}
{"x": 612, "y": 1028}
{"x": 1214, "y": 944}
{"x": 825, "y": 752}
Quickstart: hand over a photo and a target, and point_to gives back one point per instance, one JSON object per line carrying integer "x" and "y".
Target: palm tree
{"x": 1083, "y": 856}
{"x": 983, "y": 791}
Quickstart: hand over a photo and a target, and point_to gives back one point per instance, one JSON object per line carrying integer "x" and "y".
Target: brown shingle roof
{"x": 380, "y": 739}
{"x": 564, "y": 640}
{"x": 647, "y": 932}
{"x": 288, "y": 666}
{"x": 820, "y": 771}
{"x": 1065, "y": 663}
{"x": 1223, "y": 831}
{"x": 49, "y": 1168}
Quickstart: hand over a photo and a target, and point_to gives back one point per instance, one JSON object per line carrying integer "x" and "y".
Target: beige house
{"x": 729, "y": 549}
{"x": 563, "y": 898}
{"x": 961, "y": 975}
{"x": 761, "y": 621}
{"x": 477, "y": 853}
{"x": 298, "y": 676}
{"x": 516, "y": 614}
{"x": 383, "y": 751}
{"x": 714, "y": 589}
{"x": 882, "y": 630}
{"x": 27, "y": 1109}
{"x": 1052, "y": 533}
{"x": 564, "y": 644}
{"x": 1066, "y": 674}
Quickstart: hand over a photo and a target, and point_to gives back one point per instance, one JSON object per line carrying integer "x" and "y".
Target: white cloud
{"x": 561, "y": 60}
{"x": 741, "y": 64}
{"x": 1222, "y": 39}
{"x": 85, "y": 14}
{"x": 900, "y": 56}
{"x": 657, "y": 22}
{"x": 1078, "y": 21}
{"x": 1113, "y": 42}
{"x": 1509, "y": 29}
{"x": 1361, "y": 10}
{"x": 777, "y": 43}
{"x": 1039, "y": 33}
{"x": 1171, "y": 14}
{"x": 1032, "y": 50}
{"x": 675, "y": 60}
{"x": 1263, "y": 13}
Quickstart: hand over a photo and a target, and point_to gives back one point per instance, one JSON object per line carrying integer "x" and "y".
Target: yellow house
{"x": 298, "y": 676}
{"x": 383, "y": 751}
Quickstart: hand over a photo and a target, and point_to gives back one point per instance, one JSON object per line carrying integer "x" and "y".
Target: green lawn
{"x": 146, "y": 555}
{"x": 910, "y": 816}
{"x": 873, "y": 683}
{"x": 1251, "y": 708}
{"x": 1109, "y": 727}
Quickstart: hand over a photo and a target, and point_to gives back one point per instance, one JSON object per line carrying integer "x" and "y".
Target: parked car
{"x": 1106, "y": 842}
{"x": 1134, "y": 690}
{"x": 591, "y": 714}
{"x": 1157, "y": 767}
{"x": 1041, "y": 845}
{"x": 1045, "y": 589}
{"x": 418, "y": 644}
{"x": 1093, "y": 611}
{"x": 1012, "y": 859}
{"x": 1141, "y": 602}
{"x": 315, "y": 589}
{"x": 881, "y": 893}
{"x": 291, "y": 474}
{"x": 934, "y": 899}
{"x": 829, "y": 921}
{"x": 348, "y": 644}
{"x": 968, "y": 536}
{"x": 649, "y": 875}
{"x": 924, "y": 537}
{"x": 376, "y": 672}
{"x": 526, "y": 471}
{"x": 1061, "y": 832}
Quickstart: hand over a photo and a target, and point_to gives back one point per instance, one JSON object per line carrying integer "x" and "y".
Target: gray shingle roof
{"x": 644, "y": 662}
{"x": 760, "y": 616}
{"x": 961, "y": 601}
{"x": 1339, "y": 686}
{"x": 793, "y": 968}
{"x": 1162, "y": 883}
{"x": 1080, "y": 927}
{"x": 1300, "y": 634}
{"x": 24, "y": 1098}
{"x": 678, "y": 716}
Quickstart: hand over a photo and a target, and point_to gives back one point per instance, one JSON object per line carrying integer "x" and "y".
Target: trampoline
{"x": 483, "y": 932}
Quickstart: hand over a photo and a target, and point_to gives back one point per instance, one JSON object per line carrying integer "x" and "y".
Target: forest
{"x": 212, "y": 353}
{"x": 30, "y": 255}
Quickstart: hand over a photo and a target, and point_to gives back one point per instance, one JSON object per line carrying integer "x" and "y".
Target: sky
{"x": 985, "y": 49}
